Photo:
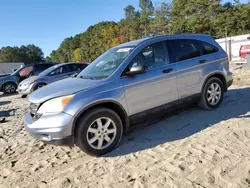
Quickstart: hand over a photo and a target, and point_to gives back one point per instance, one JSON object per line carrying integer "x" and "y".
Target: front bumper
{"x": 24, "y": 90}
{"x": 53, "y": 128}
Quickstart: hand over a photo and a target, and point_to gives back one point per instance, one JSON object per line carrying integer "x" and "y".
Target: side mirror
{"x": 74, "y": 75}
{"x": 136, "y": 69}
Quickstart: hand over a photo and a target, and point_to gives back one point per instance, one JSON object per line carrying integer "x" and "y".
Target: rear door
{"x": 185, "y": 54}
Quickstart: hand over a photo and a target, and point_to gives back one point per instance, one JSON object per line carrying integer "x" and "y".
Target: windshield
{"x": 106, "y": 64}
{"x": 16, "y": 71}
{"x": 47, "y": 71}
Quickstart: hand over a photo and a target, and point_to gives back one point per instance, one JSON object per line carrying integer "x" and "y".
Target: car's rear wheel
{"x": 9, "y": 88}
{"x": 99, "y": 131}
{"x": 212, "y": 94}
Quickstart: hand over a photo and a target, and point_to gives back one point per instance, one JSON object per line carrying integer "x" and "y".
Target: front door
{"x": 156, "y": 87}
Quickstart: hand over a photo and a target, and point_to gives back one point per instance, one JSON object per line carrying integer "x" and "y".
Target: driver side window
{"x": 152, "y": 56}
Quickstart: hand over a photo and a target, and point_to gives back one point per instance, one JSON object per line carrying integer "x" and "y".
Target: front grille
{"x": 33, "y": 107}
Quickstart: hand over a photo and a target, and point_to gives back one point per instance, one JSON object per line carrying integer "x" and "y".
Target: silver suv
{"x": 126, "y": 84}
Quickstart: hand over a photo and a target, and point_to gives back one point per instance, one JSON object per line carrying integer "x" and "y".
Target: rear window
{"x": 26, "y": 71}
{"x": 182, "y": 49}
{"x": 207, "y": 48}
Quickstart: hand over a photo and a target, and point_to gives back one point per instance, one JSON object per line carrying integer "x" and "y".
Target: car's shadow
{"x": 184, "y": 124}
{"x": 2, "y": 95}
{"x": 4, "y": 102}
{"x": 6, "y": 113}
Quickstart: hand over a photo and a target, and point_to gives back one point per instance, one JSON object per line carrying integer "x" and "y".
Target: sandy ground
{"x": 190, "y": 148}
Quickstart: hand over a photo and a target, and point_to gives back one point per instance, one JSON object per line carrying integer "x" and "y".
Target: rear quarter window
{"x": 207, "y": 48}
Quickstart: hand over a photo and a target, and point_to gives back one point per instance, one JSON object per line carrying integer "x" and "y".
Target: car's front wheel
{"x": 212, "y": 94}
{"x": 9, "y": 88}
{"x": 99, "y": 131}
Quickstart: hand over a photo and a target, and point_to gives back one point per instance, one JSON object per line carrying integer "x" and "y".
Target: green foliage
{"x": 181, "y": 16}
{"x": 26, "y": 54}
{"x": 160, "y": 25}
{"x": 77, "y": 57}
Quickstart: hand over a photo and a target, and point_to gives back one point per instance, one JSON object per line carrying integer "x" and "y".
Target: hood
{"x": 30, "y": 79}
{"x": 60, "y": 88}
{"x": 3, "y": 75}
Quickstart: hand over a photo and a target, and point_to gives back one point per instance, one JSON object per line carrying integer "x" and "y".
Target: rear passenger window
{"x": 75, "y": 67}
{"x": 67, "y": 68}
{"x": 39, "y": 67}
{"x": 208, "y": 48}
{"x": 182, "y": 49}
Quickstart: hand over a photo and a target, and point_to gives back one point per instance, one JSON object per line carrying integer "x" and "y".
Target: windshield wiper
{"x": 86, "y": 77}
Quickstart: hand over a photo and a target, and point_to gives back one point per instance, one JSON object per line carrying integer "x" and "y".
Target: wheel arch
{"x": 36, "y": 84}
{"x": 115, "y": 106}
{"x": 219, "y": 76}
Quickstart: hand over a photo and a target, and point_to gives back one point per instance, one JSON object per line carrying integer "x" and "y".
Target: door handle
{"x": 167, "y": 70}
{"x": 202, "y": 61}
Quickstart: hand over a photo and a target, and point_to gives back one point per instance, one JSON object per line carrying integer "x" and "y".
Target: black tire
{"x": 39, "y": 86}
{"x": 9, "y": 88}
{"x": 86, "y": 121}
{"x": 204, "y": 103}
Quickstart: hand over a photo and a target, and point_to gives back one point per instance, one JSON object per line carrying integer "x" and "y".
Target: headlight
{"x": 26, "y": 84}
{"x": 55, "y": 105}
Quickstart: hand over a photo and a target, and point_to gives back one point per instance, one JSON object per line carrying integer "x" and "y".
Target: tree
{"x": 181, "y": 16}
{"x": 130, "y": 26}
{"x": 77, "y": 55}
{"x": 48, "y": 59}
{"x": 34, "y": 53}
{"x": 147, "y": 10}
{"x": 160, "y": 25}
{"x": 26, "y": 54}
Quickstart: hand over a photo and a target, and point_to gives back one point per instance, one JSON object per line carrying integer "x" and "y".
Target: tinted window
{"x": 56, "y": 71}
{"x": 182, "y": 49}
{"x": 67, "y": 68}
{"x": 207, "y": 48}
{"x": 78, "y": 67}
{"x": 42, "y": 67}
{"x": 82, "y": 66}
{"x": 152, "y": 56}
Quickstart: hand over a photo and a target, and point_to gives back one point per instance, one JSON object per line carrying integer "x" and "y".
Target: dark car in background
{"x": 9, "y": 83}
{"x": 55, "y": 73}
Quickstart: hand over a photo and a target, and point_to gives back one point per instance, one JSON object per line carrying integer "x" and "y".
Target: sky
{"x": 46, "y": 23}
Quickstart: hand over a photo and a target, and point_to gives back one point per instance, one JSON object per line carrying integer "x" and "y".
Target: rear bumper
{"x": 229, "y": 79}
{"x": 229, "y": 83}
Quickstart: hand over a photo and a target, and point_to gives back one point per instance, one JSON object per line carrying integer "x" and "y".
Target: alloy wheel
{"x": 101, "y": 133}
{"x": 214, "y": 93}
{"x": 9, "y": 88}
